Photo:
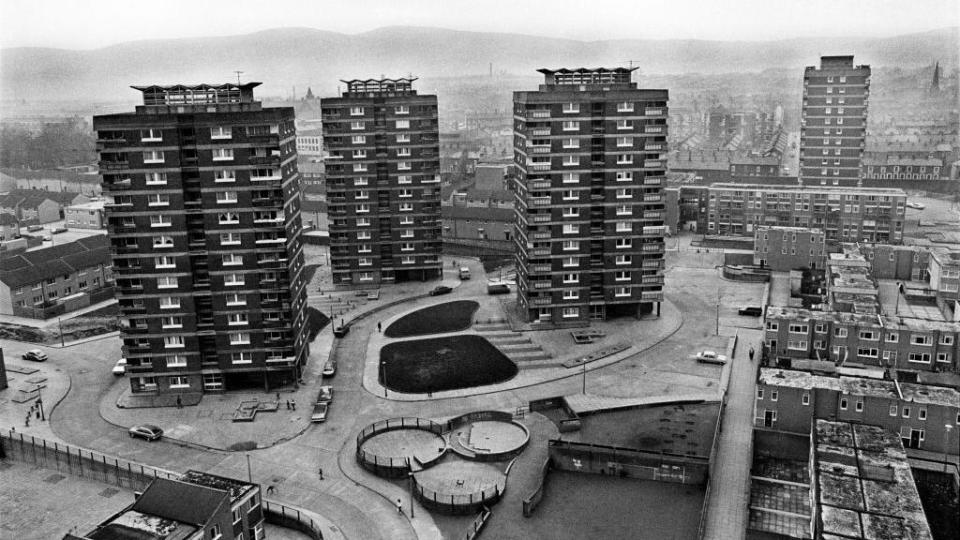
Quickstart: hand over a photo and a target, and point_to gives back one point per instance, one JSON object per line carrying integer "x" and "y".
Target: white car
{"x": 916, "y": 205}
{"x": 711, "y": 357}
{"x": 120, "y": 368}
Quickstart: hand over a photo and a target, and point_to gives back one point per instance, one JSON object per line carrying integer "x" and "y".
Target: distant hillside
{"x": 287, "y": 57}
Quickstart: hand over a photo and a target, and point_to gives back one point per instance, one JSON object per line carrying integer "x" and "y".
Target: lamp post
{"x": 719, "y": 292}
{"x": 383, "y": 376}
{"x": 60, "y": 326}
{"x": 946, "y": 442}
{"x": 584, "y": 388}
{"x": 410, "y": 476}
{"x": 249, "y": 471}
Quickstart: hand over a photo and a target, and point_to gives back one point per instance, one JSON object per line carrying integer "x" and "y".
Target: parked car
{"x": 330, "y": 369}
{"x": 916, "y": 205}
{"x": 498, "y": 288}
{"x": 147, "y": 432}
{"x": 464, "y": 272}
{"x": 35, "y": 355}
{"x": 341, "y": 331}
{"x": 751, "y": 311}
{"x": 711, "y": 357}
{"x": 440, "y": 289}
{"x": 320, "y": 412}
{"x": 120, "y": 367}
{"x": 325, "y": 395}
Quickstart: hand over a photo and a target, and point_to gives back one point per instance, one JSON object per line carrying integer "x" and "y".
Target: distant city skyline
{"x": 73, "y": 24}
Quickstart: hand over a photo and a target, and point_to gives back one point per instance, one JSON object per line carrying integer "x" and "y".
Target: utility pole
{"x": 238, "y": 76}
{"x": 584, "y": 386}
{"x": 60, "y": 325}
{"x": 249, "y": 472}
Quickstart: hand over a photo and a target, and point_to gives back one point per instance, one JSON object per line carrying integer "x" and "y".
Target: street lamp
{"x": 410, "y": 476}
{"x": 719, "y": 291}
{"x": 383, "y": 376}
{"x": 584, "y": 390}
{"x": 946, "y": 442}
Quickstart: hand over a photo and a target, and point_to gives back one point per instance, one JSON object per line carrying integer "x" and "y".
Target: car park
{"x": 751, "y": 311}
{"x": 711, "y": 357}
{"x": 35, "y": 355}
{"x": 120, "y": 368}
{"x": 319, "y": 413}
{"x": 148, "y": 432}
{"x": 440, "y": 289}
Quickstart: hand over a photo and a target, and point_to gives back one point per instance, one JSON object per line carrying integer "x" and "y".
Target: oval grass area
{"x": 448, "y": 363}
{"x": 438, "y": 319}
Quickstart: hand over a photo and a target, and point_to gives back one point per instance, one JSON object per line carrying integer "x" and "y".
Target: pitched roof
{"x": 31, "y": 267}
{"x": 7, "y": 220}
{"x": 181, "y": 501}
{"x": 479, "y": 214}
{"x": 32, "y": 198}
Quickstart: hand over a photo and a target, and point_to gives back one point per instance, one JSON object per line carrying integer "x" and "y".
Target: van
{"x": 464, "y": 272}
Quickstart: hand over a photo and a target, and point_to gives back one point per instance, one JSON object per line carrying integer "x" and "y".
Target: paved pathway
{"x": 727, "y": 511}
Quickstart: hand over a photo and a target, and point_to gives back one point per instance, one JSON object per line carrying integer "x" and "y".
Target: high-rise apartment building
{"x": 833, "y": 122}
{"x": 203, "y": 215}
{"x": 383, "y": 183}
{"x": 590, "y": 149}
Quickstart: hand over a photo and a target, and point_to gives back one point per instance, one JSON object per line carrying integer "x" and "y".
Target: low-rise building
{"x": 47, "y": 282}
{"x": 944, "y": 272}
{"x": 843, "y": 213}
{"x": 36, "y": 206}
{"x": 790, "y": 401}
{"x": 310, "y": 142}
{"x": 85, "y": 216}
{"x": 754, "y": 168}
{"x": 9, "y": 227}
{"x": 893, "y": 167}
{"x": 195, "y": 506}
{"x": 478, "y": 228}
{"x": 789, "y": 248}
{"x": 82, "y": 179}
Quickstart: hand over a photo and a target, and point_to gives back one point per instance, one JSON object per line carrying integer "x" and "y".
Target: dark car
{"x": 751, "y": 311}
{"x": 440, "y": 289}
{"x": 330, "y": 368}
{"x": 35, "y": 355}
{"x": 146, "y": 431}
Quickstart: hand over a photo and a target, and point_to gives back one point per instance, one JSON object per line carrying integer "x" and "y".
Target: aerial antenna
{"x": 630, "y": 62}
{"x": 238, "y": 76}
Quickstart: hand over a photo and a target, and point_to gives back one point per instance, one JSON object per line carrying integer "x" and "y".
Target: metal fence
{"x": 465, "y": 503}
{"x": 391, "y": 467}
{"x": 477, "y": 524}
{"x": 78, "y": 461}
{"x": 530, "y": 502}
{"x": 291, "y": 518}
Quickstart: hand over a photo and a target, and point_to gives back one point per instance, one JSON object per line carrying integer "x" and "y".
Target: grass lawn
{"x": 438, "y": 319}
{"x": 448, "y": 363}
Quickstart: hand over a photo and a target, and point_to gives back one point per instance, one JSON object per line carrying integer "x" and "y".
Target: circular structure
{"x": 487, "y": 436}
{"x": 459, "y": 487}
{"x": 391, "y": 448}
{"x": 438, "y": 319}
{"x": 448, "y": 363}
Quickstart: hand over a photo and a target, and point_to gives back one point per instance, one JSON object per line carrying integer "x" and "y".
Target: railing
{"x": 291, "y": 518}
{"x": 390, "y": 467}
{"x": 77, "y": 461}
{"x": 477, "y": 524}
{"x": 458, "y": 504}
{"x": 530, "y": 502}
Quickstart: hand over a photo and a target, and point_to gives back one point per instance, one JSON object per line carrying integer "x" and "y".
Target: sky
{"x": 89, "y": 24}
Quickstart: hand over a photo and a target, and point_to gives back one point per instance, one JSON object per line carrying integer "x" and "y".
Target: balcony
{"x": 538, "y": 166}
{"x": 653, "y": 164}
{"x": 119, "y": 184}
{"x": 539, "y": 201}
{"x": 539, "y": 114}
{"x": 541, "y": 252}
{"x": 653, "y": 112}
{"x": 114, "y": 165}
{"x": 539, "y": 149}
{"x": 540, "y": 132}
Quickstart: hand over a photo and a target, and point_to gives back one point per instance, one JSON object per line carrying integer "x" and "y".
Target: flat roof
{"x": 859, "y": 386}
{"x": 809, "y": 189}
{"x": 888, "y": 322}
{"x": 866, "y": 489}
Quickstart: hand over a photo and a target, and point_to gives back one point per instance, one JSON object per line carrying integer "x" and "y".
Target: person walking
{"x": 179, "y": 403}
{"x": 321, "y": 473}
{"x": 399, "y": 506}
{"x": 288, "y": 404}
{"x": 751, "y": 354}
{"x": 379, "y": 326}
{"x": 293, "y": 404}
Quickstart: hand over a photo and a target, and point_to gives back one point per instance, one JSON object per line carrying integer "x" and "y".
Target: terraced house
{"x": 204, "y": 222}
{"x": 383, "y": 183}
{"x": 590, "y": 149}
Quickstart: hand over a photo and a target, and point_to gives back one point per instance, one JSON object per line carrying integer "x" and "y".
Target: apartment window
{"x": 363, "y": 222}
{"x": 153, "y": 156}
{"x": 364, "y": 261}
{"x": 359, "y": 124}
{"x": 403, "y": 124}
{"x": 165, "y": 261}
{"x": 406, "y": 207}
{"x": 571, "y": 245}
{"x": 840, "y": 332}
{"x": 624, "y": 124}
{"x": 241, "y": 358}
{"x": 403, "y": 137}
{"x": 571, "y": 278}
{"x": 906, "y": 412}
{"x": 774, "y": 395}
{"x": 175, "y": 360}
{"x": 239, "y": 338}
{"x": 893, "y": 337}
{"x": 893, "y": 410}
{"x": 621, "y": 291}
{"x": 571, "y": 295}
{"x": 624, "y": 142}
{"x": 406, "y": 193}
{"x": 869, "y": 335}
{"x": 571, "y": 212}
{"x": 623, "y": 243}
{"x": 405, "y": 220}
{"x": 624, "y": 210}
{"x": 403, "y": 152}
{"x": 943, "y": 357}
{"x": 404, "y": 179}
{"x": 626, "y": 106}
{"x": 151, "y": 135}
{"x": 155, "y": 179}
{"x": 228, "y": 218}
{"x": 359, "y": 139}
{"x": 571, "y": 143}
{"x": 569, "y": 195}
{"x": 571, "y": 228}
{"x": 759, "y": 393}
{"x": 173, "y": 342}
{"x": 363, "y": 208}
{"x": 226, "y": 197}
{"x": 569, "y": 262}
{"x": 232, "y": 259}
{"x": 220, "y": 132}
{"x": 162, "y": 242}
{"x": 222, "y": 154}
{"x": 356, "y": 111}
{"x": 946, "y": 340}
{"x": 169, "y": 302}
{"x": 773, "y": 325}
{"x": 570, "y": 312}
{"x": 224, "y": 175}
{"x": 229, "y": 239}
{"x": 359, "y": 154}
{"x": 404, "y": 166}
{"x": 923, "y": 358}
{"x": 359, "y": 167}
{"x": 571, "y": 108}
{"x": 365, "y": 276}
{"x": 805, "y": 398}
{"x": 799, "y": 345}
{"x": 623, "y": 259}
{"x": 571, "y": 178}
{"x": 408, "y": 259}
{"x": 165, "y": 282}
{"x": 624, "y": 193}
{"x": 624, "y": 176}
{"x": 921, "y": 339}
{"x": 406, "y": 246}
{"x": 235, "y": 319}
{"x": 624, "y": 226}
{"x": 571, "y": 126}
{"x": 180, "y": 382}
{"x": 401, "y": 109}
{"x": 236, "y": 299}
{"x": 921, "y": 414}
{"x": 843, "y": 404}
{"x": 624, "y": 159}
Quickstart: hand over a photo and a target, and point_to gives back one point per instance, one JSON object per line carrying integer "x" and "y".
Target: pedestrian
{"x": 271, "y": 489}
{"x": 321, "y": 473}
{"x": 751, "y": 354}
{"x": 278, "y": 397}
{"x": 293, "y": 404}
{"x": 379, "y": 327}
{"x": 28, "y": 421}
{"x": 399, "y": 506}
{"x": 288, "y": 404}
{"x": 179, "y": 403}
